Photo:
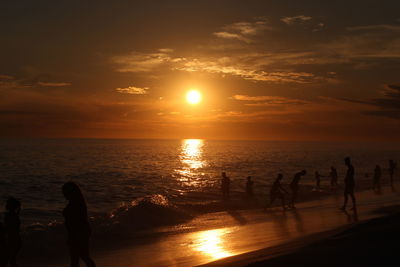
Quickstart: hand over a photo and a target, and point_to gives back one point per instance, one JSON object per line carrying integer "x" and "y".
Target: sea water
{"x": 113, "y": 172}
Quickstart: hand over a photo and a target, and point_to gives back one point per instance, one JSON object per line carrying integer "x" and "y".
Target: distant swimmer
{"x": 277, "y": 191}
{"x": 225, "y": 184}
{"x": 392, "y": 168}
{"x": 294, "y": 186}
{"x": 334, "y": 178}
{"x": 318, "y": 180}
{"x": 349, "y": 184}
{"x": 376, "y": 186}
{"x": 12, "y": 225}
{"x": 249, "y": 187}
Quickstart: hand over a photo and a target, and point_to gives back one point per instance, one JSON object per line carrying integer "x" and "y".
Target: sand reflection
{"x": 212, "y": 243}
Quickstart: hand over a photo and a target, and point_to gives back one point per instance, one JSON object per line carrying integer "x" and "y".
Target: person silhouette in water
{"x": 77, "y": 224}
{"x": 318, "y": 180}
{"x": 334, "y": 178}
{"x": 349, "y": 184}
{"x": 277, "y": 192}
{"x": 377, "y": 179}
{"x": 225, "y": 184}
{"x": 249, "y": 187}
{"x": 12, "y": 225}
{"x": 392, "y": 168}
{"x": 294, "y": 186}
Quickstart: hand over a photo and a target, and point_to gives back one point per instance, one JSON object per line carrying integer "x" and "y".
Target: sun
{"x": 193, "y": 97}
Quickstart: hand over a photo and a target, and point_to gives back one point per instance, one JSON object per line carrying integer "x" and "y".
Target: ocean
{"x": 113, "y": 173}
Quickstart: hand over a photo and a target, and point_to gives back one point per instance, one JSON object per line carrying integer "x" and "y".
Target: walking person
{"x": 349, "y": 184}
{"x": 294, "y": 186}
{"x": 334, "y": 178}
{"x": 77, "y": 224}
{"x": 225, "y": 186}
{"x": 376, "y": 186}
{"x": 318, "y": 180}
{"x": 277, "y": 192}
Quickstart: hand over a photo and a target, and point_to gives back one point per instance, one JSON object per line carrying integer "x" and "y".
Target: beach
{"x": 242, "y": 237}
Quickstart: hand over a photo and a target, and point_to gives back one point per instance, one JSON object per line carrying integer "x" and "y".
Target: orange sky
{"x": 273, "y": 70}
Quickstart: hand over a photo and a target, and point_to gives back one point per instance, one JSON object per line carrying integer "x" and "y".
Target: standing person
{"x": 377, "y": 179}
{"x": 334, "y": 178}
{"x": 349, "y": 184}
{"x": 12, "y": 225}
{"x": 392, "y": 168}
{"x": 318, "y": 180}
{"x": 77, "y": 224}
{"x": 294, "y": 186}
{"x": 249, "y": 187}
{"x": 225, "y": 184}
{"x": 277, "y": 191}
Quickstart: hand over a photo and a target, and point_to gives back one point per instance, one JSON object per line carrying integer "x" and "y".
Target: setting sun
{"x": 193, "y": 97}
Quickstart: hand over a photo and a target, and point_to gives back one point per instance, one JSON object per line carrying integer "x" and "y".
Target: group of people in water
{"x": 75, "y": 219}
{"x": 78, "y": 228}
{"x": 277, "y": 191}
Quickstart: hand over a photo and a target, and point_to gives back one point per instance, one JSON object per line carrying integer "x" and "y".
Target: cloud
{"x": 133, "y": 90}
{"x": 295, "y": 19}
{"x": 243, "y": 31}
{"x": 268, "y": 100}
{"x": 53, "y": 84}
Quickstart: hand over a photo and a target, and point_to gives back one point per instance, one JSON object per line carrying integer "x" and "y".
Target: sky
{"x": 267, "y": 70}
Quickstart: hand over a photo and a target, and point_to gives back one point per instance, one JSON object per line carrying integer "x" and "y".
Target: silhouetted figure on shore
{"x": 294, "y": 186}
{"x": 3, "y": 246}
{"x": 12, "y": 225}
{"x": 376, "y": 186}
{"x": 318, "y": 180}
{"x": 249, "y": 187}
{"x": 392, "y": 168}
{"x": 349, "y": 184}
{"x": 277, "y": 191}
{"x": 334, "y": 178}
{"x": 77, "y": 224}
{"x": 225, "y": 186}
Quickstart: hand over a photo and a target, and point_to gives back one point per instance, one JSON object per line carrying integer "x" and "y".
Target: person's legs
{"x": 84, "y": 253}
{"x": 345, "y": 200}
{"x": 74, "y": 255}
{"x": 353, "y": 199}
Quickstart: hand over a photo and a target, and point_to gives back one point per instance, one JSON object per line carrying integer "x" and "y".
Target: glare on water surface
{"x": 211, "y": 243}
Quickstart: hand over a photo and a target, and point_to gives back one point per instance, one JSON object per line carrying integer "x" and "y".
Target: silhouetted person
{"x": 349, "y": 184}
{"x": 294, "y": 186}
{"x": 77, "y": 224}
{"x": 12, "y": 225}
{"x": 3, "y": 246}
{"x": 392, "y": 168}
{"x": 318, "y": 180}
{"x": 225, "y": 184}
{"x": 277, "y": 191}
{"x": 377, "y": 179}
{"x": 249, "y": 187}
{"x": 334, "y": 178}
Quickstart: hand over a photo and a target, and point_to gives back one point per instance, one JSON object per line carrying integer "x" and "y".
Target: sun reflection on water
{"x": 191, "y": 157}
{"x": 211, "y": 243}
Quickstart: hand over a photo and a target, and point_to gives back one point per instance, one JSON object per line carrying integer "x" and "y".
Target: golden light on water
{"x": 212, "y": 243}
{"x": 191, "y": 157}
{"x": 193, "y": 97}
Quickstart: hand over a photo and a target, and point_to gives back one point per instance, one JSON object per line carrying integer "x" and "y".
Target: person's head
{"x": 13, "y": 205}
{"x": 280, "y": 176}
{"x": 223, "y": 174}
{"x": 72, "y": 192}
{"x": 248, "y": 178}
{"x": 347, "y": 161}
{"x": 303, "y": 172}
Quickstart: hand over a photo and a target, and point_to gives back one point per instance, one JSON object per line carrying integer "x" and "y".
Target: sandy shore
{"x": 243, "y": 237}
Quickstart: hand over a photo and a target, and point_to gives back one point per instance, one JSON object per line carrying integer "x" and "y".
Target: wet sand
{"x": 220, "y": 235}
